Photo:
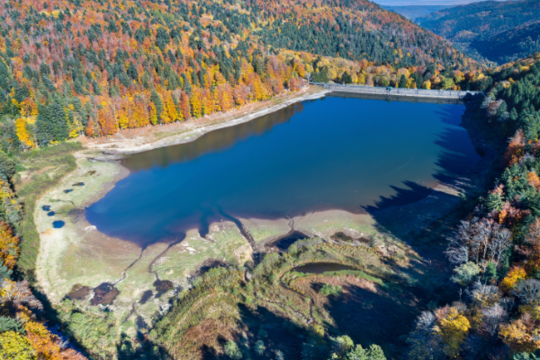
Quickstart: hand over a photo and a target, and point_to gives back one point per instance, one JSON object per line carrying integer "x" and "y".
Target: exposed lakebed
{"x": 334, "y": 153}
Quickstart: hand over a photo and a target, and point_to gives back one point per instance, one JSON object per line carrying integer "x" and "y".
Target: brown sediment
{"x": 104, "y": 294}
{"x": 78, "y": 292}
{"x": 162, "y": 286}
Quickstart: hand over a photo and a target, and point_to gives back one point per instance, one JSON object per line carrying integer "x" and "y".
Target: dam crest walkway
{"x": 396, "y": 92}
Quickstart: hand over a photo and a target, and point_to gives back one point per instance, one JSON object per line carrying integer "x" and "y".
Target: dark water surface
{"x": 333, "y": 153}
{"x": 321, "y": 268}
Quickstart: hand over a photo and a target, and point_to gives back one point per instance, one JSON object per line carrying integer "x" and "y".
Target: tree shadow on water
{"x": 415, "y": 206}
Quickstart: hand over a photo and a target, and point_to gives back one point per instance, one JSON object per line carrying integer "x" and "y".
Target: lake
{"x": 332, "y": 153}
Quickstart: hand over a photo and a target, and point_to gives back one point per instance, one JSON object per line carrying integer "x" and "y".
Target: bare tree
{"x": 500, "y": 242}
{"x": 458, "y": 247}
{"x": 493, "y": 317}
{"x": 528, "y": 291}
{"x": 483, "y": 294}
{"x": 478, "y": 241}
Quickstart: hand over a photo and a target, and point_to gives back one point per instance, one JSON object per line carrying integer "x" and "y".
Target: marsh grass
{"x": 45, "y": 168}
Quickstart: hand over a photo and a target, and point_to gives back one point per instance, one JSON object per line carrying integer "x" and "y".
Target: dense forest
{"x": 71, "y": 68}
{"x": 94, "y": 68}
{"x": 495, "y": 251}
{"x": 491, "y": 32}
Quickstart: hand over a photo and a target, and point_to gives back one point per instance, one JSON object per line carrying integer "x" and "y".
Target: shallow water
{"x": 333, "y": 153}
{"x": 58, "y": 224}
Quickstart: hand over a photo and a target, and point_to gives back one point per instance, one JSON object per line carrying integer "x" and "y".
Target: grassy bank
{"x": 43, "y": 169}
{"x": 278, "y": 306}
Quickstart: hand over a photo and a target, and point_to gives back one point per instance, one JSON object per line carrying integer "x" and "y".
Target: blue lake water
{"x": 332, "y": 153}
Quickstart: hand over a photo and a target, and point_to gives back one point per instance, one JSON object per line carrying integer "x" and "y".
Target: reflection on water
{"x": 333, "y": 153}
{"x": 215, "y": 141}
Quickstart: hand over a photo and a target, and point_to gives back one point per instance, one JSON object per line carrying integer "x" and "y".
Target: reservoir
{"x": 333, "y": 153}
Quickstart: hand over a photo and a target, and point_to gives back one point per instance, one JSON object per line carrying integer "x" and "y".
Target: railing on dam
{"x": 419, "y": 93}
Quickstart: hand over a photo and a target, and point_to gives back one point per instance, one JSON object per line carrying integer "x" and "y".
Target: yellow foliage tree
{"x": 453, "y": 328}
{"x": 123, "y": 120}
{"x": 153, "y": 114}
{"x": 196, "y": 106}
{"x": 9, "y": 246}
{"x": 533, "y": 180}
{"x": 23, "y": 134}
{"x": 518, "y": 335}
{"x": 15, "y": 347}
{"x": 76, "y": 128}
{"x": 511, "y": 279}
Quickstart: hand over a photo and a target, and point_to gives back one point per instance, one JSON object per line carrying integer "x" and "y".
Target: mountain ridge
{"x": 476, "y": 29}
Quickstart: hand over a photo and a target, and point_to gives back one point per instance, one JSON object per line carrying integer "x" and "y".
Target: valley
{"x": 293, "y": 179}
{"x": 81, "y": 255}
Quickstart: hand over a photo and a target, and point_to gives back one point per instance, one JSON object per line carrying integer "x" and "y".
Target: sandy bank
{"x": 149, "y": 138}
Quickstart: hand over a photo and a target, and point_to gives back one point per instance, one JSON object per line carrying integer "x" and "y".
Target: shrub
{"x": 465, "y": 273}
{"x": 232, "y": 350}
{"x": 328, "y": 290}
{"x": 7, "y": 166}
{"x": 259, "y": 347}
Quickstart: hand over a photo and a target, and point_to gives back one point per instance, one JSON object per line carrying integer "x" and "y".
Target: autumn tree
{"x": 9, "y": 246}
{"x": 453, "y": 328}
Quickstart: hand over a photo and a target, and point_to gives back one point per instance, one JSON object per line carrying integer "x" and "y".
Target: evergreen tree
{"x": 403, "y": 82}
{"x": 158, "y": 103}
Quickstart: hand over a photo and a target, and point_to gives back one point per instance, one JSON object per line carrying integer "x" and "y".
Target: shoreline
{"x": 121, "y": 146}
{"x": 80, "y": 254}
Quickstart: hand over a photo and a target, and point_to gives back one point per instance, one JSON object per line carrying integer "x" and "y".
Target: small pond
{"x": 58, "y": 224}
{"x": 78, "y": 292}
{"x": 104, "y": 294}
{"x": 162, "y": 286}
{"x": 146, "y": 296}
{"x": 322, "y": 267}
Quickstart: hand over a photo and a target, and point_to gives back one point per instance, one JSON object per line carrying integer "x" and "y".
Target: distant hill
{"x": 491, "y": 32}
{"x": 412, "y": 12}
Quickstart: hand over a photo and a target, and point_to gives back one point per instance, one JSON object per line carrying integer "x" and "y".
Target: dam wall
{"x": 393, "y": 92}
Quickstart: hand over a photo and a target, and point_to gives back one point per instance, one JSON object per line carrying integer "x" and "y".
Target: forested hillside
{"x": 412, "y": 12}
{"x": 493, "y": 32}
{"x": 496, "y": 250}
{"x": 70, "y": 68}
